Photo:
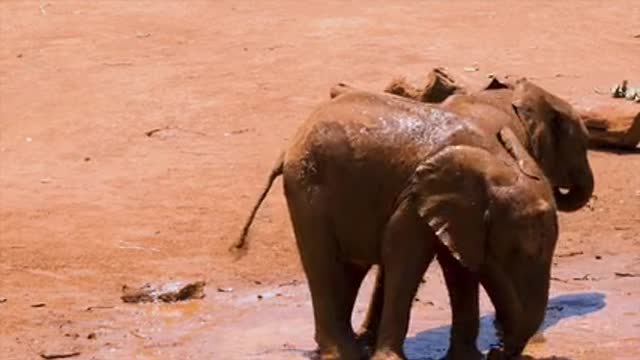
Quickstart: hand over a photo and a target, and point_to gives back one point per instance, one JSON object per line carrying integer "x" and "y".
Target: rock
{"x": 61, "y": 355}
{"x": 171, "y": 292}
{"x": 619, "y": 90}
{"x": 437, "y": 86}
{"x": 610, "y": 122}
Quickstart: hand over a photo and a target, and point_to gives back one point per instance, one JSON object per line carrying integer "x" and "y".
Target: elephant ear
{"x": 534, "y": 103}
{"x": 451, "y": 192}
{"x": 516, "y": 150}
{"x": 546, "y": 117}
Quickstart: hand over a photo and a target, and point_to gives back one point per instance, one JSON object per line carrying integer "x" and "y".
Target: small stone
{"x": 598, "y": 257}
{"x": 615, "y": 91}
{"x": 631, "y": 94}
{"x": 92, "y": 336}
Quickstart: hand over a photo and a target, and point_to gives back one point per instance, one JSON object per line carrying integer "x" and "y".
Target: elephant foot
{"x": 502, "y": 354}
{"x": 388, "y": 355}
{"x": 367, "y": 340}
{"x": 496, "y": 354}
{"x": 335, "y": 353}
{"x": 467, "y": 352}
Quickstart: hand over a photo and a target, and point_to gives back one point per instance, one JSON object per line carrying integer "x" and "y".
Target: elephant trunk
{"x": 521, "y": 304}
{"x": 515, "y": 333}
{"x": 536, "y": 307}
{"x": 579, "y": 192}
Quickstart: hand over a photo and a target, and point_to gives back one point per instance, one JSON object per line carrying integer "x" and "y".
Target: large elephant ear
{"x": 546, "y": 117}
{"x": 521, "y": 157}
{"x": 534, "y": 103}
{"x": 451, "y": 191}
{"x": 531, "y": 107}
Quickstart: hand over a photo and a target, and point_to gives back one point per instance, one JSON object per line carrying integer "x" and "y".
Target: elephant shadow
{"x": 617, "y": 151}
{"x": 436, "y": 341}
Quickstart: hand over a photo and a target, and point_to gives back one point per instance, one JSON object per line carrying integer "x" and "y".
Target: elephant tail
{"x": 240, "y": 246}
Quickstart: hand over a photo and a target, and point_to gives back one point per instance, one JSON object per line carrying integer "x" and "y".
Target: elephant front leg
{"x": 463, "y": 286}
{"x": 408, "y": 246}
{"x": 369, "y": 329}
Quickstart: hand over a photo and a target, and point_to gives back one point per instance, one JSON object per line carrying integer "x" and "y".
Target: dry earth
{"x": 89, "y": 201}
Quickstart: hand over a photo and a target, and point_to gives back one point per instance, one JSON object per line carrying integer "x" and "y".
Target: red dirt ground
{"x": 89, "y": 202}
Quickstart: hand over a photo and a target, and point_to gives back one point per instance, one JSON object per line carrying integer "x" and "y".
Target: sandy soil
{"x": 89, "y": 202}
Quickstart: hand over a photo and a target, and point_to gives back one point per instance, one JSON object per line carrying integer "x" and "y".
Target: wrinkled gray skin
{"x": 377, "y": 179}
{"x": 553, "y": 134}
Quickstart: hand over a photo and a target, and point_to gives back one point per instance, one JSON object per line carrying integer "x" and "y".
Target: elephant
{"x": 379, "y": 179}
{"x": 551, "y": 132}
{"x": 545, "y": 125}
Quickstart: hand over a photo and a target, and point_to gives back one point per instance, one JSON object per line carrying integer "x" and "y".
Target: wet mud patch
{"x": 436, "y": 340}
{"x": 570, "y": 305}
{"x": 170, "y": 292}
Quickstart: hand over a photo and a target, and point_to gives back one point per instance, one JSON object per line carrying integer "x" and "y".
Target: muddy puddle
{"x": 276, "y": 323}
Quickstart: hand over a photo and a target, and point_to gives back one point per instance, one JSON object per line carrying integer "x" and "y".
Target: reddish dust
{"x": 135, "y": 136}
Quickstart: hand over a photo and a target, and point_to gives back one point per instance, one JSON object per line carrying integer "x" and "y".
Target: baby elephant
{"x": 379, "y": 179}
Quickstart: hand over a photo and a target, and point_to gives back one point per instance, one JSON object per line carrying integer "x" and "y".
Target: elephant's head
{"x": 495, "y": 212}
{"x": 558, "y": 141}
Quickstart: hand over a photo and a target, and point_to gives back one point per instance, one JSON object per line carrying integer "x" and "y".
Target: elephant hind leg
{"x": 329, "y": 281}
{"x": 407, "y": 249}
{"x": 354, "y": 274}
